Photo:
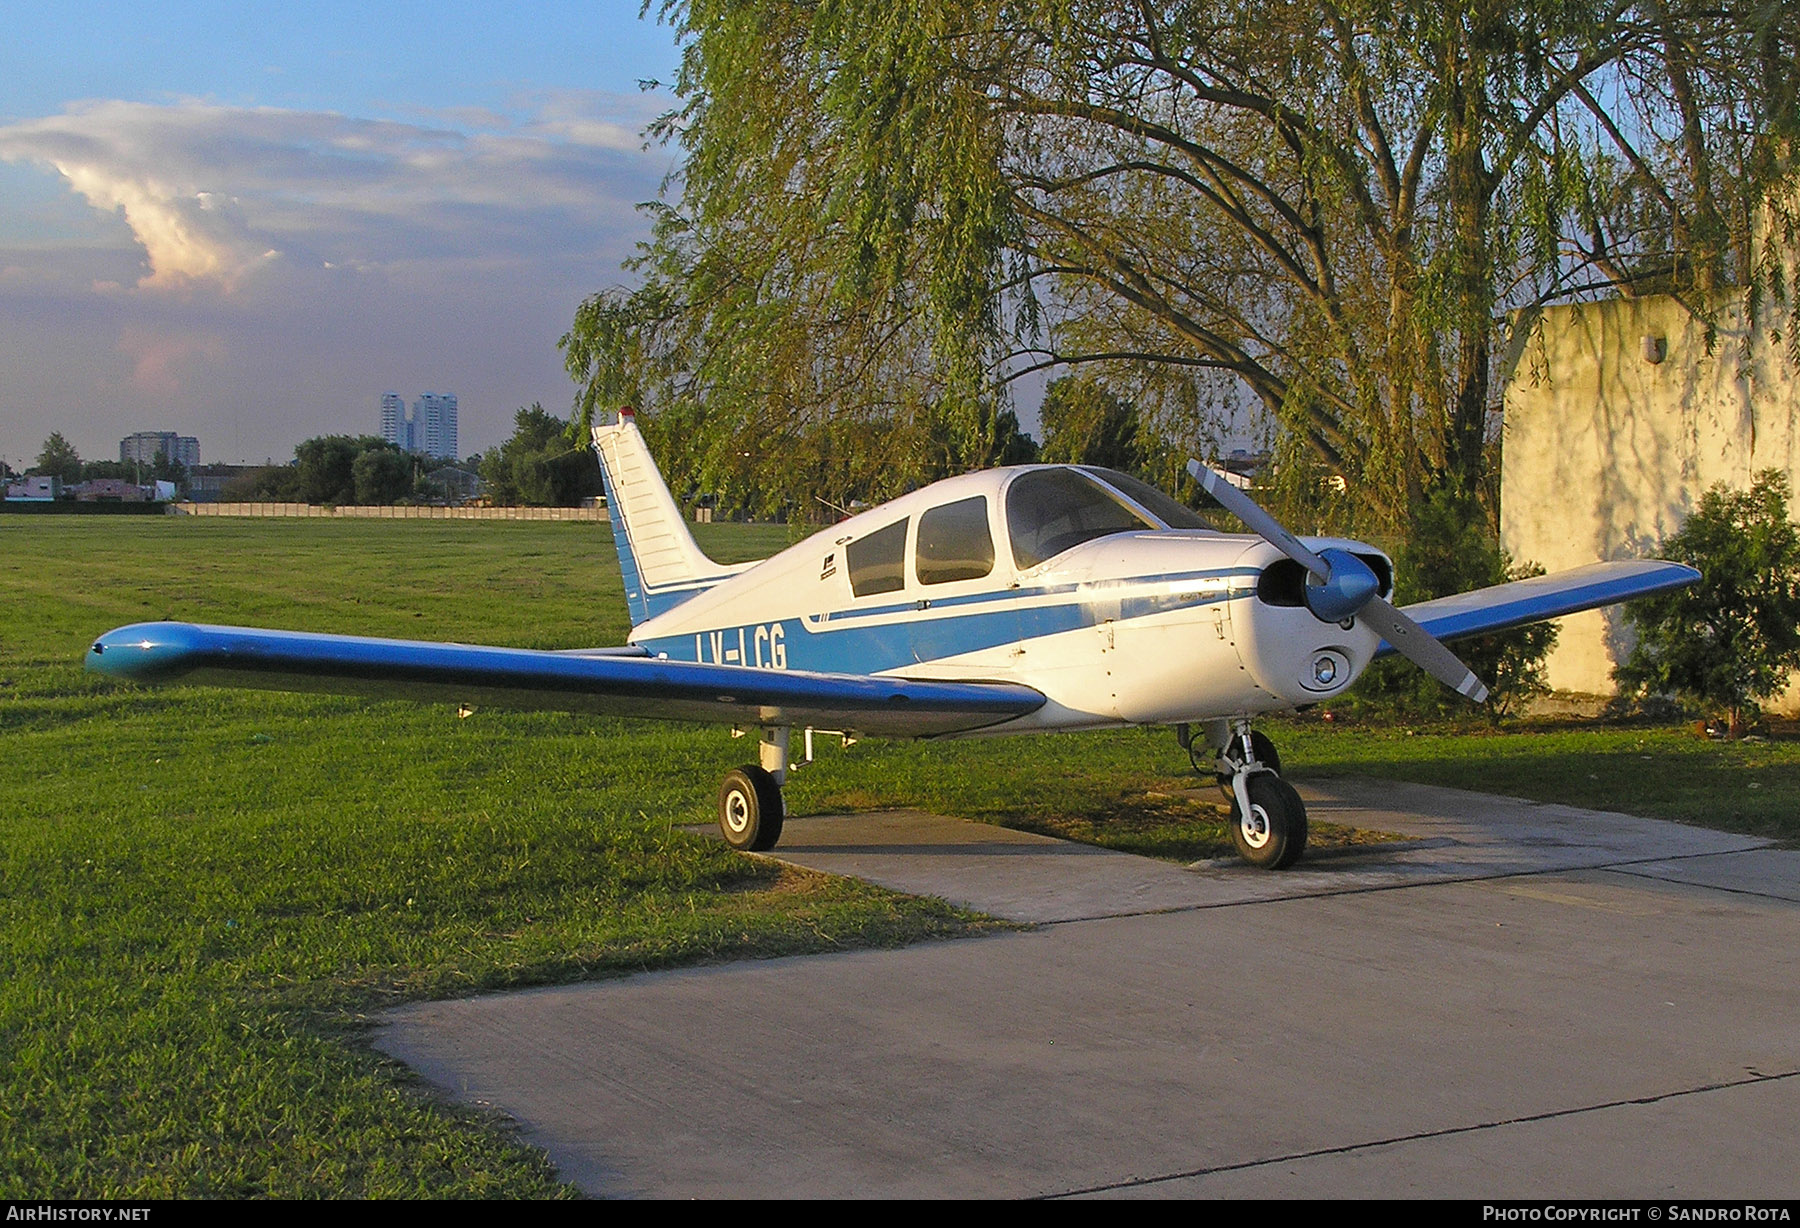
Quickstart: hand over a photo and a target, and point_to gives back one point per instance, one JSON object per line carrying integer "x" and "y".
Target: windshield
{"x": 1049, "y": 511}
{"x": 1160, "y": 505}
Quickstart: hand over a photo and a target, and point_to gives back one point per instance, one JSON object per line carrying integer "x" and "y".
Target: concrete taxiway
{"x": 1518, "y": 1000}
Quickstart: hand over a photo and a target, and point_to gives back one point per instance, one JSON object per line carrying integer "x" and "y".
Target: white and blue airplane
{"x": 1030, "y": 599}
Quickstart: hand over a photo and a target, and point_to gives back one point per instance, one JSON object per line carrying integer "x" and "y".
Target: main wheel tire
{"x": 1265, "y": 755}
{"x": 1273, "y": 835}
{"x": 750, "y": 809}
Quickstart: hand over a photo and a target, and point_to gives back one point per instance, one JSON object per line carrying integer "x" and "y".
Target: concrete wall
{"x": 1605, "y": 451}
{"x": 388, "y": 513}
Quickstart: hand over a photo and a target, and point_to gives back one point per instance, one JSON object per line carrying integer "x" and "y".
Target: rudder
{"x": 661, "y": 563}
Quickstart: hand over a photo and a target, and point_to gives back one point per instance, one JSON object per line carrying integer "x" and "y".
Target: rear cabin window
{"x": 954, "y": 542}
{"x": 1049, "y": 511}
{"x": 878, "y": 561}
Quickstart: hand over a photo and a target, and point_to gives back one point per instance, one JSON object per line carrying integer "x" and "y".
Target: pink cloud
{"x": 159, "y": 361}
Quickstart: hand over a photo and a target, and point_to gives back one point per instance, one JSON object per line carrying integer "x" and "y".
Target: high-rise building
{"x": 429, "y": 427}
{"x": 144, "y": 447}
{"x": 434, "y": 417}
{"x": 395, "y": 423}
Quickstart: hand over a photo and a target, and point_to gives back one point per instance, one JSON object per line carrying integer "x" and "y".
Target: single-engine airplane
{"x": 1020, "y": 600}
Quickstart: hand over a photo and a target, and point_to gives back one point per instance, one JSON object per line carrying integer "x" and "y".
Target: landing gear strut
{"x": 1268, "y": 819}
{"x": 751, "y": 807}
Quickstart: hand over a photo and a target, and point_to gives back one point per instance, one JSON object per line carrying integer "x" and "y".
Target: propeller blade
{"x": 1408, "y": 638}
{"x": 1417, "y": 645}
{"x": 1260, "y": 522}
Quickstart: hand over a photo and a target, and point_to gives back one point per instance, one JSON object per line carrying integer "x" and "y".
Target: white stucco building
{"x": 1619, "y": 415}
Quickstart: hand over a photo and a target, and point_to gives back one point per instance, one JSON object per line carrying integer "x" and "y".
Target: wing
{"x": 1528, "y": 601}
{"x": 612, "y": 682}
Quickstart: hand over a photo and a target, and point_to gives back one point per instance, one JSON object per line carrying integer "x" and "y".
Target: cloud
{"x": 157, "y": 358}
{"x": 217, "y": 194}
{"x": 255, "y": 276}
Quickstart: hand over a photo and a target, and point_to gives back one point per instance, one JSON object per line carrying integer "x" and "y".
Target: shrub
{"x": 1732, "y": 639}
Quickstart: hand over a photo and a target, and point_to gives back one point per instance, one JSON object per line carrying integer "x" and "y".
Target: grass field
{"x": 205, "y": 894}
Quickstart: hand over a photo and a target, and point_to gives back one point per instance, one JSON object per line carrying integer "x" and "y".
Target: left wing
{"x": 612, "y": 682}
{"x": 1504, "y": 606}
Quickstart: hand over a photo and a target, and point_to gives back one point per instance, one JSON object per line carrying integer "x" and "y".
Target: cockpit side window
{"x": 877, "y": 561}
{"x": 954, "y": 542}
{"x": 1049, "y": 511}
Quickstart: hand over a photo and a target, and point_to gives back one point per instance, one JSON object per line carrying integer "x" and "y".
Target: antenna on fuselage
{"x": 845, "y": 512}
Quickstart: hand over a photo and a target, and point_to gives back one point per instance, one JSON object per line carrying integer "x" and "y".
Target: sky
{"x": 246, "y": 223}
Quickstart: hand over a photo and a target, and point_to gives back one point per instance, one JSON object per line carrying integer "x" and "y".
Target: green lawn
{"x": 205, "y": 894}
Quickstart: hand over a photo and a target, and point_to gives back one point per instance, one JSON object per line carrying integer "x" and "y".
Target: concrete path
{"x": 1450, "y": 835}
{"x": 1519, "y": 1001}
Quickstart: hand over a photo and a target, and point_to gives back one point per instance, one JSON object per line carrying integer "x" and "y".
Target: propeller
{"x": 1343, "y": 586}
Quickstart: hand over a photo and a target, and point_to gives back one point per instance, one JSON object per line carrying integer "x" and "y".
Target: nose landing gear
{"x": 1268, "y": 819}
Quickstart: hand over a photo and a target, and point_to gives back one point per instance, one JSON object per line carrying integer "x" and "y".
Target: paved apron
{"x": 1519, "y": 1000}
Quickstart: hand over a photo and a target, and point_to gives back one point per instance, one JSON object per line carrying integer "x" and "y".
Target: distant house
{"x": 205, "y": 482}
{"x": 427, "y": 429}
{"x": 110, "y": 490}
{"x": 1242, "y": 467}
{"x": 145, "y": 447}
{"x": 38, "y": 488}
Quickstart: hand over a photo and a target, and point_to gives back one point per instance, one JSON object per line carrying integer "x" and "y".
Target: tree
{"x": 277, "y": 483}
{"x": 324, "y": 468}
{"x": 1085, "y": 424}
{"x": 382, "y": 475}
{"x": 1732, "y": 639}
{"x": 1012, "y": 446}
{"x": 325, "y": 471}
{"x": 1322, "y": 212}
{"x": 161, "y": 467}
{"x": 538, "y": 466}
{"x": 59, "y": 459}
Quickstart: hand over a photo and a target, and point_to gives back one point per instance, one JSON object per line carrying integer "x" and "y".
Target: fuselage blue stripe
{"x": 791, "y": 644}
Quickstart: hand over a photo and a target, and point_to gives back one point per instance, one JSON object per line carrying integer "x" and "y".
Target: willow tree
{"x": 888, "y": 209}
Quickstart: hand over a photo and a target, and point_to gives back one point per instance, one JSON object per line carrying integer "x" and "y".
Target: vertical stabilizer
{"x": 662, "y": 564}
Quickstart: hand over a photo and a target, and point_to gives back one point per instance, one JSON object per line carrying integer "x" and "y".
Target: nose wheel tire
{"x": 1273, "y": 835}
{"x": 750, "y": 809}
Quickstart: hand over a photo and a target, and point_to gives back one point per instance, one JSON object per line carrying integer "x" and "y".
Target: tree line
{"x": 537, "y": 466}
{"x": 59, "y": 458}
{"x": 343, "y": 469}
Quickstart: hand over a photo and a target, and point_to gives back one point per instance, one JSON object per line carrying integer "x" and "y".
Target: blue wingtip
{"x": 145, "y": 652}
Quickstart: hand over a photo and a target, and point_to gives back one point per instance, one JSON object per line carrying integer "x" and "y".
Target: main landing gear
{"x": 750, "y": 804}
{"x": 1268, "y": 819}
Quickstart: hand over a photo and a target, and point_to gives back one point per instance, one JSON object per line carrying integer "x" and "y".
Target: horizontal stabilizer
{"x": 1514, "y": 604}
{"x": 625, "y": 682}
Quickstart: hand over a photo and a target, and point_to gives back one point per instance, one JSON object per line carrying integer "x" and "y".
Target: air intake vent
{"x": 1283, "y": 583}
